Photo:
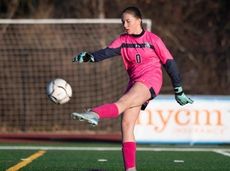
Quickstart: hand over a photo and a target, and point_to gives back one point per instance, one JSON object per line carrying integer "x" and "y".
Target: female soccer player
{"x": 143, "y": 53}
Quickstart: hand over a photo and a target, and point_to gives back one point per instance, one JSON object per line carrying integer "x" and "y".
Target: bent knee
{"x": 130, "y": 100}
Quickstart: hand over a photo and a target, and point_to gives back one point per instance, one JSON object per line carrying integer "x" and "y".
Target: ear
{"x": 139, "y": 20}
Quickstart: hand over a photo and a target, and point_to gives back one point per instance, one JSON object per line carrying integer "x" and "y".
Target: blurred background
{"x": 196, "y": 32}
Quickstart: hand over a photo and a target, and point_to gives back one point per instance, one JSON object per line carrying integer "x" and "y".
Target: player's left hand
{"x": 180, "y": 97}
{"x": 83, "y": 57}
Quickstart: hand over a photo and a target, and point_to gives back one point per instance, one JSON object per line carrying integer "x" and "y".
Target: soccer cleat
{"x": 89, "y": 116}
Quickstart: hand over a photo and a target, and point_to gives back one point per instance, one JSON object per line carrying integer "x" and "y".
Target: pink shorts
{"x": 150, "y": 84}
{"x": 152, "y": 91}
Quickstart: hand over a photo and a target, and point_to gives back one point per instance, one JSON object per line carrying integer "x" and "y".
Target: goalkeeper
{"x": 143, "y": 54}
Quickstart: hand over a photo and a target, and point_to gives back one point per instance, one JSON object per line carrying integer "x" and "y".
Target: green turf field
{"x": 107, "y": 157}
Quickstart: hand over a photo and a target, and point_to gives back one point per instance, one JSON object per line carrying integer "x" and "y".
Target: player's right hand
{"x": 83, "y": 57}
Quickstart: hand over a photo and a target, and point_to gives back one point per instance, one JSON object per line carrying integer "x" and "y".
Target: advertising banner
{"x": 207, "y": 120}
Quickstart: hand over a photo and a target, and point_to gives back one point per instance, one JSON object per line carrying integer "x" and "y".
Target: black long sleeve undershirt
{"x": 173, "y": 72}
{"x": 105, "y": 53}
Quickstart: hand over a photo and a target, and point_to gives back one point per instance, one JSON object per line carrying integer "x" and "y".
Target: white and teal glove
{"x": 83, "y": 57}
{"x": 180, "y": 97}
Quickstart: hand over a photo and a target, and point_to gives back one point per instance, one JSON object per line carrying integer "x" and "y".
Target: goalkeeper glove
{"x": 83, "y": 57}
{"x": 180, "y": 97}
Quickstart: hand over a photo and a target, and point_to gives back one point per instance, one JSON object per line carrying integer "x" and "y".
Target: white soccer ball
{"x": 59, "y": 91}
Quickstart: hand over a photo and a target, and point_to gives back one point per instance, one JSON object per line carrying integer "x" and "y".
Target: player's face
{"x": 131, "y": 24}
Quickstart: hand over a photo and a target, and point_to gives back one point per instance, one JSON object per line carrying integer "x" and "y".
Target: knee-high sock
{"x": 107, "y": 110}
{"x": 129, "y": 154}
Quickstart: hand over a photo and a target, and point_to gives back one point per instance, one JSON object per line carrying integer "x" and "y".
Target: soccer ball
{"x": 59, "y": 91}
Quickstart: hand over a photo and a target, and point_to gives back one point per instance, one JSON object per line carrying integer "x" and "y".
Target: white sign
{"x": 207, "y": 120}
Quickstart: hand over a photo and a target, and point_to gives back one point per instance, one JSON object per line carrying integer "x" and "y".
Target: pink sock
{"x": 107, "y": 110}
{"x": 129, "y": 154}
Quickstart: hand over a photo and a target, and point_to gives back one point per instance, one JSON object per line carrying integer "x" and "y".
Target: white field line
{"x": 110, "y": 148}
{"x": 223, "y": 152}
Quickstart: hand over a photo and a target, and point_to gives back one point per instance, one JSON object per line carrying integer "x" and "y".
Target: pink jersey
{"x": 142, "y": 56}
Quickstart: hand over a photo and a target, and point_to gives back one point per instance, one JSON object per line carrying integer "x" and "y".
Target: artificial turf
{"x": 85, "y": 160}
